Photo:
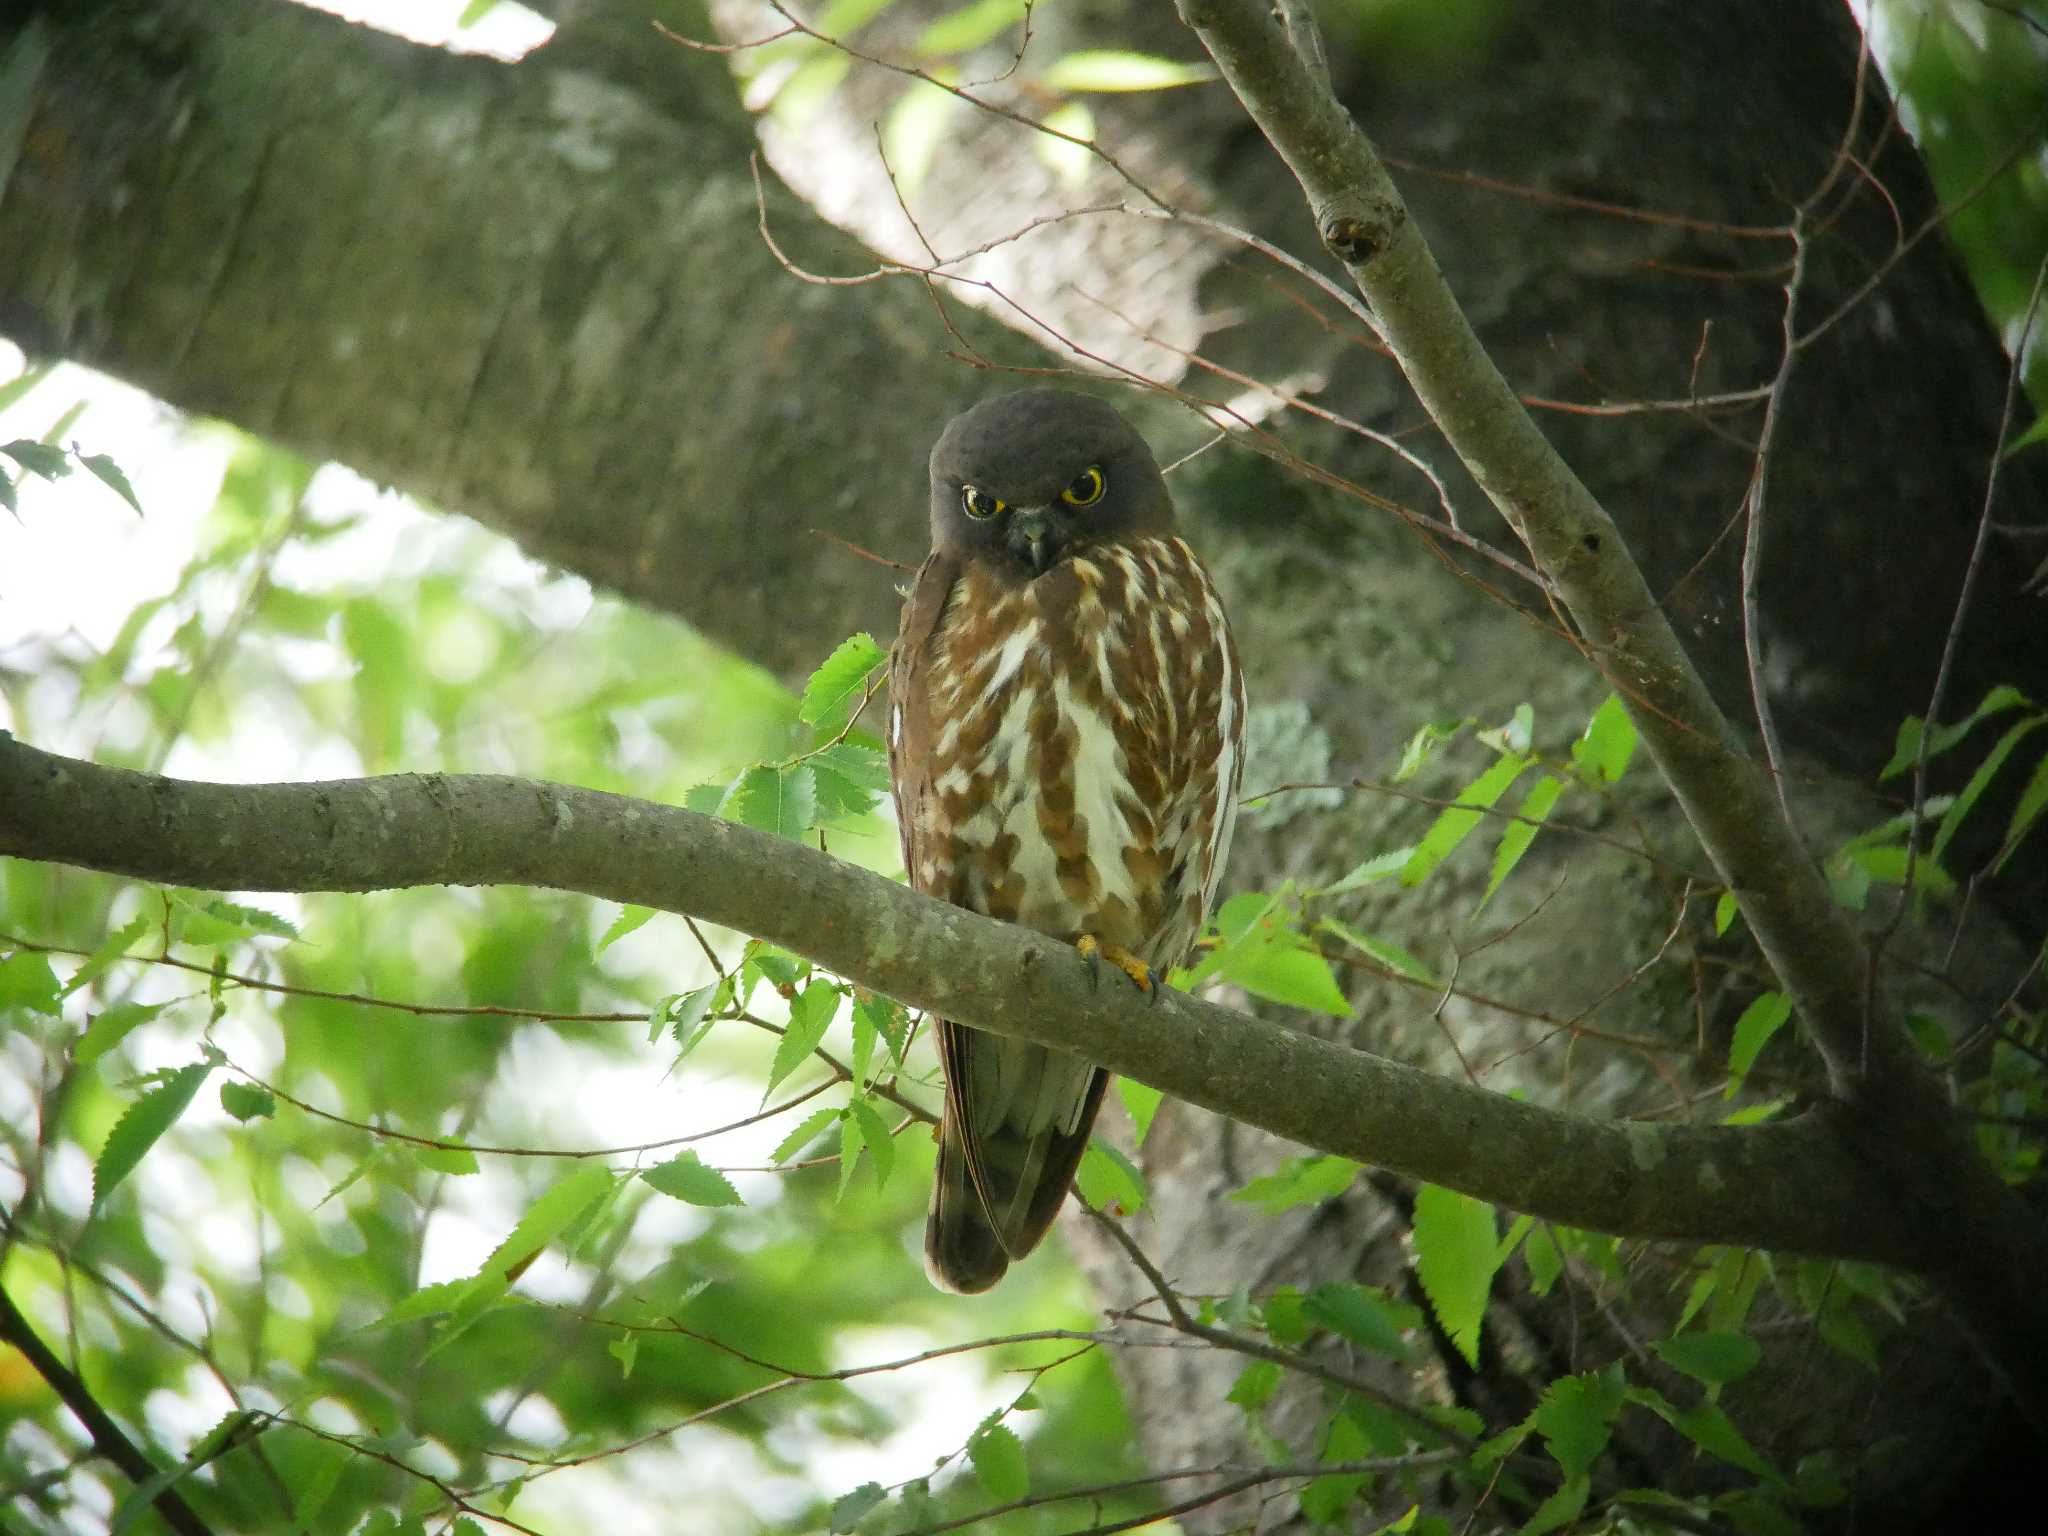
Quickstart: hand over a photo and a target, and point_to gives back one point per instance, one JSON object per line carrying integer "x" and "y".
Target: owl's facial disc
{"x": 1037, "y": 536}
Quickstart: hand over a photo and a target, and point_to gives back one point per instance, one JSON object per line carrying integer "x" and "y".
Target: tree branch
{"x": 107, "y": 1438}
{"x": 1788, "y": 1186}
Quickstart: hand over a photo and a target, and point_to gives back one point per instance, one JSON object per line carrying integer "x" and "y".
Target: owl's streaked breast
{"x": 1084, "y": 765}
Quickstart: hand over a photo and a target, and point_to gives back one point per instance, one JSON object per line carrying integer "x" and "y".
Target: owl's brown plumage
{"x": 1066, "y": 718}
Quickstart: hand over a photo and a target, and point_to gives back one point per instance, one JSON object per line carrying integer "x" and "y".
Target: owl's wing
{"x": 910, "y": 713}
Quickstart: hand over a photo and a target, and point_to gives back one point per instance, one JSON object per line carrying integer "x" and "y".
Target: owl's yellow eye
{"x": 1086, "y": 489}
{"x": 979, "y": 505}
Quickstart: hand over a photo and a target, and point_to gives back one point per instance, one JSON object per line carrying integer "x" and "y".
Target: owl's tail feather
{"x": 961, "y": 1250}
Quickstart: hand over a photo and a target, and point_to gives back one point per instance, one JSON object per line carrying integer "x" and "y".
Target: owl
{"x": 1065, "y": 730}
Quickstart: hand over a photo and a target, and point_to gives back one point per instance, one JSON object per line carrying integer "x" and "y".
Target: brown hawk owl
{"x": 1065, "y": 723}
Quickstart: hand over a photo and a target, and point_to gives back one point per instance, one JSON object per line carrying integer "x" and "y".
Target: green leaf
{"x": 808, "y": 1130}
{"x": 1363, "y": 1315}
{"x": 1515, "y": 841}
{"x": 1296, "y": 978}
{"x": 915, "y": 128}
{"x": 1453, "y": 825}
{"x": 629, "y": 920}
{"x": 688, "y": 1178}
{"x": 1906, "y": 751}
{"x": 1255, "y": 1385}
{"x": 1392, "y": 956}
{"x": 1299, "y": 1181}
{"x": 2037, "y": 433}
{"x": 687, "y": 1016}
{"x": 1108, "y": 69}
{"x": 874, "y": 1135}
{"x": 810, "y": 1014}
{"x": 214, "y": 923}
{"x": 110, "y": 1027}
{"x": 850, "y": 780}
{"x": 139, "y": 1127}
{"x": 1708, "y": 1427}
{"x": 998, "y": 1459}
{"x": 457, "y": 1162}
{"x": 848, "y": 1508}
{"x": 2033, "y": 800}
{"x": 1108, "y": 1180}
{"x": 547, "y": 1219}
{"x": 1057, "y": 148}
{"x": 1603, "y": 753}
{"x": 247, "y": 1102}
{"x": 52, "y": 463}
{"x": 313, "y": 1491}
{"x": 1712, "y": 1357}
{"x": 626, "y": 1350}
{"x": 887, "y": 1019}
{"x": 1544, "y": 1258}
{"x": 1762, "y": 1019}
{"x": 779, "y": 800}
{"x": 1560, "y": 1509}
{"x": 838, "y": 684}
{"x": 1456, "y": 1253}
{"x": 110, "y": 475}
{"x": 236, "y": 1429}
{"x": 1576, "y": 1417}
{"x": 1980, "y": 781}
{"x": 1381, "y": 866}
{"x": 26, "y": 981}
{"x": 970, "y": 26}
{"x": 1726, "y": 910}
{"x": 111, "y": 949}
{"x": 1141, "y": 1102}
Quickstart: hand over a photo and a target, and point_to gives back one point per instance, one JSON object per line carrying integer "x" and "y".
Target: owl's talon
{"x": 1094, "y": 951}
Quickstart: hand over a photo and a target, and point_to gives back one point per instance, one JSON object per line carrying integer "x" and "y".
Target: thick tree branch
{"x": 1897, "y": 1116}
{"x": 1791, "y": 1186}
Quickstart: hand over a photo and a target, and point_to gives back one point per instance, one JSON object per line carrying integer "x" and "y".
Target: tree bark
{"x": 536, "y": 293}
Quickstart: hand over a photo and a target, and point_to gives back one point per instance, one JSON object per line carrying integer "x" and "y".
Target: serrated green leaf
{"x": 1141, "y": 1102}
{"x": 1108, "y": 1180}
{"x": 1712, "y": 1357}
{"x": 1282, "y": 973}
{"x": 1111, "y": 69}
{"x": 1576, "y": 1417}
{"x": 630, "y": 920}
{"x": 548, "y": 1218}
{"x": 1381, "y": 866}
{"x": 808, "y": 1130}
{"x": 1515, "y": 841}
{"x": 838, "y": 684}
{"x": 110, "y": 475}
{"x": 1906, "y": 751}
{"x": 848, "y": 1508}
{"x": 1392, "y": 956}
{"x": 1456, "y": 1252}
{"x": 687, "y": 1177}
{"x": 110, "y": 1027}
{"x": 43, "y": 459}
{"x": 26, "y": 981}
{"x": 779, "y": 800}
{"x": 1363, "y": 1315}
{"x": 888, "y": 1020}
{"x": 704, "y": 799}
{"x": 969, "y": 27}
{"x": 1708, "y": 1427}
{"x": 850, "y": 780}
{"x": 1603, "y": 753}
{"x": 1560, "y": 1509}
{"x": 1454, "y": 824}
{"x": 1299, "y": 1181}
{"x": 687, "y": 1016}
{"x": 874, "y": 1135}
{"x": 246, "y": 1102}
{"x": 998, "y": 1459}
{"x": 1762, "y": 1019}
{"x": 1545, "y": 1260}
{"x": 141, "y": 1125}
{"x": 214, "y": 923}
{"x": 810, "y": 1014}
{"x": 110, "y": 950}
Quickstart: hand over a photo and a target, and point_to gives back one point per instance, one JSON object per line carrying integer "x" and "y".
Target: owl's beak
{"x": 1035, "y": 537}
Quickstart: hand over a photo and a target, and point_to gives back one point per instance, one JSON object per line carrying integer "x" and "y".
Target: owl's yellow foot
{"x": 1095, "y": 951}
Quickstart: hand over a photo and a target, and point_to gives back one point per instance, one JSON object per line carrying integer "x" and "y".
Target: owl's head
{"x": 1026, "y": 480}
